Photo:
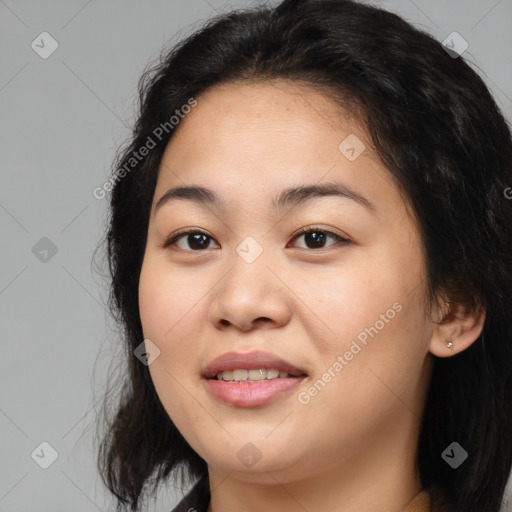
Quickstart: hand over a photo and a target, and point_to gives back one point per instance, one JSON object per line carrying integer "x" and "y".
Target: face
{"x": 343, "y": 303}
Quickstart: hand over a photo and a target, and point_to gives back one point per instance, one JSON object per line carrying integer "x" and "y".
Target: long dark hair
{"x": 445, "y": 142}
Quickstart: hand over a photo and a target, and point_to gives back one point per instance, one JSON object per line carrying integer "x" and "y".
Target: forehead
{"x": 281, "y": 111}
{"x": 258, "y": 139}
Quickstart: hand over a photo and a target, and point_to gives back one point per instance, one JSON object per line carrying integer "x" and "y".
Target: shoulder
{"x": 197, "y": 499}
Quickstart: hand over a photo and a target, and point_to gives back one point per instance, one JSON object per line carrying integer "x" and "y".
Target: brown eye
{"x": 315, "y": 238}
{"x": 195, "y": 240}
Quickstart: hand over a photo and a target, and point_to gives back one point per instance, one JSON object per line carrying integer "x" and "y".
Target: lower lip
{"x": 251, "y": 394}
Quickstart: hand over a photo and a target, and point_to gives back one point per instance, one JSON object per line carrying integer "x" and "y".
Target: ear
{"x": 459, "y": 324}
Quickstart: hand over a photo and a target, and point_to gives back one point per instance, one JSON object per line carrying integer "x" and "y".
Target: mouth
{"x": 251, "y": 367}
{"x": 254, "y": 375}
{"x": 251, "y": 379}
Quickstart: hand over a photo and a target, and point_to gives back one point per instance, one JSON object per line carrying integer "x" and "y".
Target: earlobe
{"x": 459, "y": 328}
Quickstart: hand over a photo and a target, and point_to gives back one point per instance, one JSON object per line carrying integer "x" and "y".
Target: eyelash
{"x": 306, "y": 230}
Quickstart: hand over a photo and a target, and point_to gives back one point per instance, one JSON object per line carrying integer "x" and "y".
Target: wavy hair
{"x": 444, "y": 141}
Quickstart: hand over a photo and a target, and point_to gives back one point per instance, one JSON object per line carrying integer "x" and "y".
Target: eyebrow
{"x": 288, "y": 197}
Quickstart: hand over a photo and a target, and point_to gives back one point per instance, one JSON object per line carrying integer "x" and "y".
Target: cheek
{"x": 373, "y": 316}
{"x": 166, "y": 299}
{"x": 163, "y": 313}
{"x": 342, "y": 303}
{"x": 169, "y": 322}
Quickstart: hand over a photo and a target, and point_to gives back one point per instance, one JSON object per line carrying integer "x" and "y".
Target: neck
{"x": 381, "y": 476}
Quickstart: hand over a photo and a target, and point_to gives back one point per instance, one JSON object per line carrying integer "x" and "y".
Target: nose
{"x": 249, "y": 296}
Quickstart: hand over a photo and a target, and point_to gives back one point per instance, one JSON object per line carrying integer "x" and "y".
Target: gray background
{"x": 61, "y": 120}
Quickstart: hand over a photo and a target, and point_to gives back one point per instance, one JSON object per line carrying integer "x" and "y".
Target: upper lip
{"x": 249, "y": 360}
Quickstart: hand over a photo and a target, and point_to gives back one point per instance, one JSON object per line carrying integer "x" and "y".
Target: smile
{"x": 251, "y": 393}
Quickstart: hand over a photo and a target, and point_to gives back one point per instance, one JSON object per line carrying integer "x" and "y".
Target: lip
{"x": 251, "y": 394}
{"x": 249, "y": 361}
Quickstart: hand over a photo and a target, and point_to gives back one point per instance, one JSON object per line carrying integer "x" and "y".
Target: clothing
{"x": 198, "y": 500}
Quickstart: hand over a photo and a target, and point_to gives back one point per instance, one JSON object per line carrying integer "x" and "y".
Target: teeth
{"x": 251, "y": 375}
{"x": 240, "y": 374}
{"x": 256, "y": 374}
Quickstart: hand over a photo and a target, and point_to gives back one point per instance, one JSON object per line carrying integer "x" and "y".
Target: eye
{"x": 315, "y": 237}
{"x": 194, "y": 238}
{"x": 198, "y": 240}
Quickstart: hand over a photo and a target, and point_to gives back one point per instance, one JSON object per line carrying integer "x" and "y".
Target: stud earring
{"x": 449, "y": 344}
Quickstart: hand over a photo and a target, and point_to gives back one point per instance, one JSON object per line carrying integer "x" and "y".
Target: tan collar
{"x": 420, "y": 503}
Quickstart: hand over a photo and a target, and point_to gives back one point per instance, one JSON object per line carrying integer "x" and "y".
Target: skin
{"x": 353, "y": 444}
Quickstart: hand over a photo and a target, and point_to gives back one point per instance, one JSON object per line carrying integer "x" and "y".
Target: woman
{"x": 309, "y": 247}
